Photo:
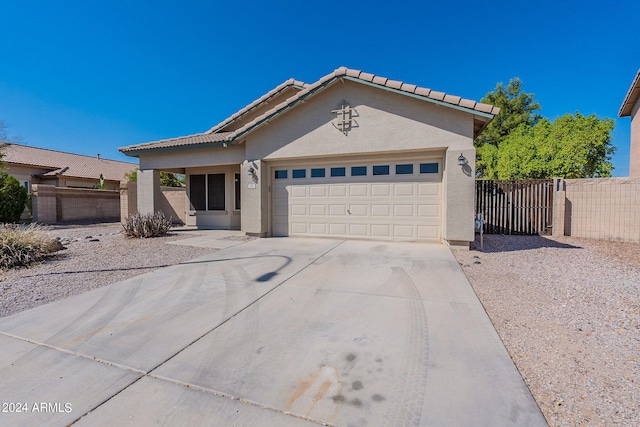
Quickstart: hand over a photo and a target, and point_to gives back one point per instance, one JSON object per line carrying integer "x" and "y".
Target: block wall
{"x": 602, "y": 208}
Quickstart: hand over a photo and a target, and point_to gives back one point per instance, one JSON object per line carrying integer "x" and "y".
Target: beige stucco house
{"x": 631, "y": 107}
{"x": 352, "y": 155}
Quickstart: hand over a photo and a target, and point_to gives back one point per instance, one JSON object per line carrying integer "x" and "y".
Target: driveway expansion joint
{"x": 239, "y": 399}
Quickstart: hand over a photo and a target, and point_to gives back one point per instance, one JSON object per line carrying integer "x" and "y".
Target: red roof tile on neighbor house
{"x": 65, "y": 164}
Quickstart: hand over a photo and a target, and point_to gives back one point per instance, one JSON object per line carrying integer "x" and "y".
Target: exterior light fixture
{"x": 251, "y": 171}
{"x": 462, "y": 160}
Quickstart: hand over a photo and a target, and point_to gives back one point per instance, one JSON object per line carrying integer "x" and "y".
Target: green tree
{"x": 517, "y": 108}
{"x": 13, "y": 199}
{"x": 167, "y": 179}
{"x": 572, "y": 146}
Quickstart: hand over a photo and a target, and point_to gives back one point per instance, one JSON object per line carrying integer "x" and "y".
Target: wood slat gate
{"x": 515, "y": 207}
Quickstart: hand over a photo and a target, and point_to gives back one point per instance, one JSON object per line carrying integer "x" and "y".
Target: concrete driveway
{"x": 281, "y": 332}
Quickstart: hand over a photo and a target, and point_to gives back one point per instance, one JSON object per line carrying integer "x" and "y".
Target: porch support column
{"x": 149, "y": 193}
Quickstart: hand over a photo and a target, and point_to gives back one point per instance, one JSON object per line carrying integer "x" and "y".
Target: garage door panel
{"x": 318, "y": 191}
{"x": 404, "y": 189}
{"x": 298, "y": 191}
{"x": 429, "y": 189}
{"x": 381, "y": 230}
{"x": 317, "y": 210}
{"x": 381, "y": 190}
{"x": 429, "y": 211}
{"x": 359, "y": 210}
{"x": 319, "y": 229}
{"x": 337, "y": 210}
{"x": 428, "y": 232}
{"x": 337, "y": 229}
{"x": 358, "y": 230}
{"x": 404, "y": 231}
{"x": 386, "y": 207}
{"x": 298, "y": 227}
{"x": 359, "y": 190}
{"x": 403, "y": 210}
{"x": 381, "y": 210}
{"x": 337, "y": 191}
{"x": 299, "y": 209}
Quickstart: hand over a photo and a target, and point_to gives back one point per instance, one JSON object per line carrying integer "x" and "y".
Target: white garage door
{"x": 399, "y": 200}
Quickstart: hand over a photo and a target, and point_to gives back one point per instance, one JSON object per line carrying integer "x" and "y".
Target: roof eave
{"x": 484, "y": 115}
{"x": 136, "y": 152}
{"x": 631, "y": 97}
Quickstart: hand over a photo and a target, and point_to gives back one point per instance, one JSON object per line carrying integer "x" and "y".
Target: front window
{"x": 207, "y": 192}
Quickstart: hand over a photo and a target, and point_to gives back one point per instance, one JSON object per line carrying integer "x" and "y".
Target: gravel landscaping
{"x": 95, "y": 256}
{"x": 568, "y": 311}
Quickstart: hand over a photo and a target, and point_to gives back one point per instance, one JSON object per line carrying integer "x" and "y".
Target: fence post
{"x": 559, "y": 203}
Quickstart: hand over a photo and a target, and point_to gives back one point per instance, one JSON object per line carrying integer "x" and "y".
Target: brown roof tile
{"x": 422, "y": 91}
{"x": 309, "y": 90}
{"x": 65, "y": 164}
{"x": 379, "y": 80}
{"x": 485, "y": 108}
{"x": 199, "y": 138}
{"x": 434, "y": 94}
{"x": 264, "y": 98}
{"x": 408, "y": 87}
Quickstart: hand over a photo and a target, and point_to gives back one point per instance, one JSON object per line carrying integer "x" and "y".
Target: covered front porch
{"x": 212, "y": 198}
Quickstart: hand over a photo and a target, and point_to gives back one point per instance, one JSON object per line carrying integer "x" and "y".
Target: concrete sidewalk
{"x": 270, "y": 332}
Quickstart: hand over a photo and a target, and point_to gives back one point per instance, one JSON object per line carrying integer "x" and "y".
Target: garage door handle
{"x": 348, "y": 211}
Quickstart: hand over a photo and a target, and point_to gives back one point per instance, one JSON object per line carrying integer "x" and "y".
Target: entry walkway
{"x": 285, "y": 332}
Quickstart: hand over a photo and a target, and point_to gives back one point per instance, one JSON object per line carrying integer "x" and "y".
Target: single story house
{"x": 353, "y": 155}
{"x": 631, "y": 107}
{"x": 32, "y": 165}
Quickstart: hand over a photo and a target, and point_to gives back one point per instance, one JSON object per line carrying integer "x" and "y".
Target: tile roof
{"x": 291, "y": 83}
{"x": 65, "y": 164}
{"x": 196, "y": 139}
{"x": 631, "y": 98}
{"x": 483, "y": 112}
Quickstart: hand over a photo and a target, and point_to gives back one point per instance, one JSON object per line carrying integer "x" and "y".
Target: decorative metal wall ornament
{"x": 345, "y": 121}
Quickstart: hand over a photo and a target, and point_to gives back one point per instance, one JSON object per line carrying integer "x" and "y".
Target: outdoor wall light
{"x": 462, "y": 160}
{"x": 250, "y": 171}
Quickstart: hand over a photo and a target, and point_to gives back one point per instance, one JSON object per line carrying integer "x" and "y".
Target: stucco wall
{"x": 386, "y": 123}
{"x": 172, "y": 203}
{"x": 186, "y": 158}
{"x": 634, "y": 152}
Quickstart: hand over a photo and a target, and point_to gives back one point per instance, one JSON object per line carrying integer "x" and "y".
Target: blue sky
{"x": 88, "y": 77}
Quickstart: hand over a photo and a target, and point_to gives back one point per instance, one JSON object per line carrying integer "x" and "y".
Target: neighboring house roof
{"x": 483, "y": 112}
{"x": 632, "y": 97}
{"x": 64, "y": 164}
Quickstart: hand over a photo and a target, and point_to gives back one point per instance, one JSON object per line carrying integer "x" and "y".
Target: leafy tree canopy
{"x": 520, "y": 144}
{"x": 167, "y": 179}
{"x": 516, "y": 108}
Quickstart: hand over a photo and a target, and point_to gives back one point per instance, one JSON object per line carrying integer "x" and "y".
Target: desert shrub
{"x": 146, "y": 225}
{"x": 21, "y": 245}
{"x": 13, "y": 198}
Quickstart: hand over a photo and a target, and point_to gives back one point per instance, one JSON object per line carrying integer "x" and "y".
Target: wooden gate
{"x": 515, "y": 207}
